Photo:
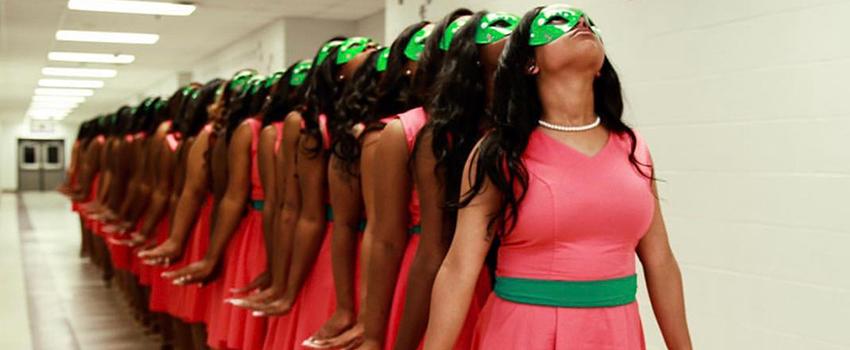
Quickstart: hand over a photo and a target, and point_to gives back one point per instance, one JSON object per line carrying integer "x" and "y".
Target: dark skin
{"x": 311, "y": 170}
{"x": 229, "y": 212}
{"x": 288, "y": 211}
{"x": 133, "y": 205}
{"x": 159, "y": 200}
{"x": 347, "y": 193}
{"x": 66, "y": 188}
{"x": 436, "y": 236}
{"x": 189, "y": 201}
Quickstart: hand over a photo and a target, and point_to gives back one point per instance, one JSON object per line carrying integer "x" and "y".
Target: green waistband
{"x": 601, "y": 293}
{"x": 416, "y": 229}
{"x": 257, "y": 204}
{"x": 329, "y": 213}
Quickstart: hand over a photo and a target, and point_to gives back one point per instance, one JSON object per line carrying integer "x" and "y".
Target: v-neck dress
{"x": 581, "y": 220}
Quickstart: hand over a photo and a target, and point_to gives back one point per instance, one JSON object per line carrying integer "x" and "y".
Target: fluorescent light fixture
{"x": 136, "y": 7}
{"x": 90, "y": 57}
{"x": 106, "y": 37}
{"x": 47, "y": 113}
{"x": 53, "y": 105}
{"x": 65, "y": 99}
{"x": 79, "y": 72}
{"x": 63, "y": 92}
{"x": 68, "y": 83}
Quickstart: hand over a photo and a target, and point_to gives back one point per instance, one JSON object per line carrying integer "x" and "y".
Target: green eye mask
{"x": 274, "y": 78}
{"x": 495, "y": 26}
{"x": 383, "y": 59}
{"x": 449, "y": 34}
{"x": 326, "y": 50}
{"x": 544, "y": 32}
{"x": 240, "y": 78}
{"x": 351, "y": 48}
{"x": 416, "y": 45}
{"x": 255, "y": 84}
{"x": 299, "y": 72}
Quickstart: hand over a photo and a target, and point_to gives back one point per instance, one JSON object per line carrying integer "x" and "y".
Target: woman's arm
{"x": 310, "y": 227}
{"x": 347, "y": 204}
{"x": 391, "y": 225}
{"x": 229, "y": 211}
{"x": 161, "y": 192}
{"x": 432, "y": 249}
{"x": 664, "y": 282}
{"x": 269, "y": 179}
{"x": 456, "y": 279}
{"x": 188, "y": 205}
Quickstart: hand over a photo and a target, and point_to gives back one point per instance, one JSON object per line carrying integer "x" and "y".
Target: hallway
{"x": 67, "y": 305}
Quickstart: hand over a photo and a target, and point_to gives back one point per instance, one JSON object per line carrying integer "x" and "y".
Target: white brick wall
{"x": 746, "y": 109}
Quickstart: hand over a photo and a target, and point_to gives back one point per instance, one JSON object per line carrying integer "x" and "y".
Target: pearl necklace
{"x": 569, "y": 128}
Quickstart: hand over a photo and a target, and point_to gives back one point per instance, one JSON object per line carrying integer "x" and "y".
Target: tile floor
{"x": 50, "y": 298}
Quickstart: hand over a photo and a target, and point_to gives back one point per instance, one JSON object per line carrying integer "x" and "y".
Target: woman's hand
{"x": 350, "y": 339}
{"x": 163, "y": 254}
{"x": 196, "y": 272}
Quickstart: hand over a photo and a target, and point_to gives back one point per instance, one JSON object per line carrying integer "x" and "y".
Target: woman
{"x": 458, "y": 114}
{"x": 397, "y": 213}
{"x": 346, "y": 187}
{"x": 237, "y": 237}
{"x": 568, "y": 189}
{"x": 190, "y": 223}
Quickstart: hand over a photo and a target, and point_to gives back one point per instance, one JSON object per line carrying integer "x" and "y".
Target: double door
{"x": 41, "y": 164}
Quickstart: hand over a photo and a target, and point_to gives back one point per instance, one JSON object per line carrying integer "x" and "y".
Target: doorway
{"x": 41, "y": 164}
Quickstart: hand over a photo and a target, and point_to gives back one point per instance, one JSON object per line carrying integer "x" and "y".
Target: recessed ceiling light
{"x": 90, "y": 57}
{"x": 137, "y": 7}
{"x": 79, "y": 72}
{"x": 66, "y": 99}
{"x": 106, "y": 37}
{"x": 63, "y": 92}
{"x": 46, "y": 113}
{"x": 68, "y": 83}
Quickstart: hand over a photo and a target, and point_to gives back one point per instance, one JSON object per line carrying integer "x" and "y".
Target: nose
{"x": 582, "y": 22}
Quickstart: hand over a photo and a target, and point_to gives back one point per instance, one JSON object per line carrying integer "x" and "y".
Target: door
{"x": 41, "y": 164}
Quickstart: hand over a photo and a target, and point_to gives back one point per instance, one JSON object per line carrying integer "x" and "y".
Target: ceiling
{"x": 27, "y": 29}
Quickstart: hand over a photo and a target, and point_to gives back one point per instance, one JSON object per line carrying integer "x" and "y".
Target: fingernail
{"x": 258, "y": 314}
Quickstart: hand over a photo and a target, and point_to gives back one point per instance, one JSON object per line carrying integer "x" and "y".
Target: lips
{"x": 581, "y": 31}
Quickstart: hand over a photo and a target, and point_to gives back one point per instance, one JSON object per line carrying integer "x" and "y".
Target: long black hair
{"x": 395, "y": 93}
{"x": 354, "y": 107}
{"x": 457, "y": 109}
{"x": 516, "y": 110}
{"x": 283, "y": 98}
{"x": 243, "y": 104}
{"x": 323, "y": 90}
{"x": 195, "y": 111}
{"x": 432, "y": 58}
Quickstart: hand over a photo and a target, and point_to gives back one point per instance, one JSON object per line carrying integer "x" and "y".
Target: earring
{"x": 407, "y": 72}
{"x": 341, "y": 77}
{"x": 599, "y": 73}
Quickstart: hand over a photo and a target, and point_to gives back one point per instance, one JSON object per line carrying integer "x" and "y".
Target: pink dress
{"x": 317, "y": 300}
{"x": 245, "y": 259}
{"x": 412, "y": 122}
{"x": 581, "y": 220}
{"x": 280, "y": 334}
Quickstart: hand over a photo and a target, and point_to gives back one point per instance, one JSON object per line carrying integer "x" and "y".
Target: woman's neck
{"x": 567, "y": 99}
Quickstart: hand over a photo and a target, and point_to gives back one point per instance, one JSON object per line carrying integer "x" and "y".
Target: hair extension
{"x": 516, "y": 110}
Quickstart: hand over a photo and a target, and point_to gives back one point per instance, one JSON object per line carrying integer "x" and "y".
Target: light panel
{"x": 79, "y": 72}
{"x": 71, "y": 83}
{"x": 63, "y": 92}
{"x": 66, "y": 99}
{"x": 90, "y": 57}
{"x": 135, "y": 7}
{"x": 106, "y": 37}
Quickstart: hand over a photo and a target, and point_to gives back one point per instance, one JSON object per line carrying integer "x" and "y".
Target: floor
{"x": 51, "y": 298}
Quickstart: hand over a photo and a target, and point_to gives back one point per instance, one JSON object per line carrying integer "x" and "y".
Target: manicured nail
{"x": 258, "y": 314}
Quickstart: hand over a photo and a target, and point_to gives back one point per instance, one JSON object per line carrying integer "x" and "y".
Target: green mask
{"x": 544, "y": 32}
{"x": 255, "y": 84}
{"x": 383, "y": 59}
{"x": 351, "y": 48}
{"x": 299, "y": 72}
{"x": 274, "y": 78}
{"x": 196, "y": 94}
{"x": 449, "y": 34}
{"x": 495, "y": 26}
{"x": 326, "y": 50}
{"x": 240, "y": 78}
{"x": 416, "y": 45}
